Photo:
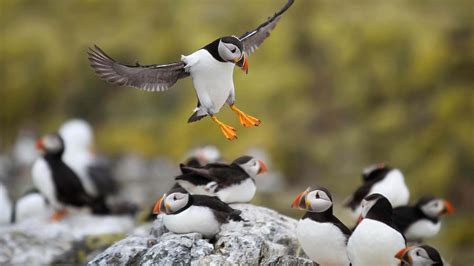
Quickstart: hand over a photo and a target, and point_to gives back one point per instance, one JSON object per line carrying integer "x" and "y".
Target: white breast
{"x": 213, "y": 80}
{"x": 30, "y": 205}
{"x": 5, "y": 206}
{"x": 422, "y": 229}
{"x": 194, "y": 219}
{"x": 324, "y": 243}
{"x": 374, "y": 243}
{"x": 43, "y": 181}
{"x": 239, "y": 193}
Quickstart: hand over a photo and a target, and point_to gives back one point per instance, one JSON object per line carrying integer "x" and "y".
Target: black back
{"x": 405, "y": 216}
{"x": 369, "y": 181}
{"x": 222, "y": 211}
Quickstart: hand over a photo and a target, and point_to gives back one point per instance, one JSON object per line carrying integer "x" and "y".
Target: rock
{"x": 37, "y": 241}
{"x": 289, "y": 261}
{"x": 265, "y": 237}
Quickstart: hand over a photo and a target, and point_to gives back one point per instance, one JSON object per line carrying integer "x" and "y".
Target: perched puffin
{"x": 422, "y": 220}
{"x": 94, "y": 172}
{"x": 211, "y": 68}
{"x": 376, "y": 239}
{"x": 203, "y": 155}
{"x": 322, "y": 235}
{"x": 186, "y": 213}
{"x": 380, "y": 179}
{"x": 231, "y": 183}
{"x": 58, "y": 182}
{"x": 419, "y": 256}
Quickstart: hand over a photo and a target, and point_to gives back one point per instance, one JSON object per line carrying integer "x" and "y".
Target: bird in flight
{"x": 210, "y": 67}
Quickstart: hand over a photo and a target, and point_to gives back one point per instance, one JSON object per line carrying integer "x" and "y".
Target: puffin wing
{"x": 404, "y": 216}
{"x": 253, "y": 39}
{"x": 144, "y": 77}
{"x": 222, "y": 210}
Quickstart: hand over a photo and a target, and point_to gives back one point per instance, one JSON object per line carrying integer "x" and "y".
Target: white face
{"x": 52, "y": 143}
{"x": 318, "y": 201}
{"x": 366, "y": 206}
{"x": 434, "y": 208}
{"x": 229, "y": 52}
{"x": 175, "y": 202}
{"x": 417, "y": 257}
{"x": 252, "y": 167}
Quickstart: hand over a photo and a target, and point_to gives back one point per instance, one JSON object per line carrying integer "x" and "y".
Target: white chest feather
{"x": 374, "y": 243}
{"x": 393, "y": 187}
{"x": 324, "y": 243}
{"x": 43, "y": 180}
{"x": 213, "y": 80}
{"x": 422, "y": 229}
{"x": 239, "y": 193}
{"x": 31, "y": 205}
{"x": 193, "y": 219}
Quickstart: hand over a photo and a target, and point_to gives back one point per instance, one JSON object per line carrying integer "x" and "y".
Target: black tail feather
{"x": 195, "y": 117}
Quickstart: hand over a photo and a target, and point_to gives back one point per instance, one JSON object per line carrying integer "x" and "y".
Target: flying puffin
{"x": 422, "y": 220}
{"x": 322, "y": 235}
{"x": 211, "y": 68}
{"x": 376, "y": 239}
{"x": 94, "y": 172}
{"x": 423, "y": 255}
{"x": 381, "y": 179}
{"x": 186, "y": 213}
{"x": 231, "y": 183}
{"x": 203, "y": 155}
{"x": 58, "y": 182}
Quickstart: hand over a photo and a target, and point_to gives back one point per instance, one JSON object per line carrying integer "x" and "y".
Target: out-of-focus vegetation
{"x": 338, "y": 85}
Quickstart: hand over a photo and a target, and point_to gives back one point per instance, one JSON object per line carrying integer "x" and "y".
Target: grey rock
{"x": 265, "y": 237}
{"x": 289, "y": 261}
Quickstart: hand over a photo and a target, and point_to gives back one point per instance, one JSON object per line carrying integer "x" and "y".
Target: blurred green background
{"x": 338, "y": 85}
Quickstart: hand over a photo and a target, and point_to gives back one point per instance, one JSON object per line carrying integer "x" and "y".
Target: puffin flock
{"x": 69, "y": 175}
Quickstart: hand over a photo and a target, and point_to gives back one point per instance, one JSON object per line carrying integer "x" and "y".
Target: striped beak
{"x": 448, "y": 207}
{"x": 158, "y": 205}
{"x": 263, "y": 167}
{"x": 298, "y": 203}
{"x": 403, "y": 255}
{"x": 243, "y": 63}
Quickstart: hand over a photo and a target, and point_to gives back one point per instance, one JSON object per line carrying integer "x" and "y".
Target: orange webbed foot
{"x": 245, "y": 119}
{"x": 58, "y": 215}
{"x": 228, "y": 131}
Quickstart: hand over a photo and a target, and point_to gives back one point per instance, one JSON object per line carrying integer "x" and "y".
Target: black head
{"x": 375, "y": 171}
{"x": 226, "y": 49}
{"x": 51, "y": 145}
{"x": 317, "y": 199}
{"x": 434, "y": 207}
{"x": 377, "y": 207}
{"x": 173, "y": 203}
{"x": 250, "y": 165}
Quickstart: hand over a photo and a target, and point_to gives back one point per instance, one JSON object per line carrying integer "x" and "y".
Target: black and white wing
{"x": 253, "y": 39}
{"x": 145, "y": 77}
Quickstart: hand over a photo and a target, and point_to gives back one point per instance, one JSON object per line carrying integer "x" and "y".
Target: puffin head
{"x": 230, "y": 49}
{"x": 313, "y": 200}
{"x": 51, "y": 144}
{"x": 77, "y": 134}
{"x": 375, "y": 205}
{"x": 419, "y": 256}
{"x": 434, "y": 207}
{"x": 250, "y": 165}
{"x": 172, "y": 203}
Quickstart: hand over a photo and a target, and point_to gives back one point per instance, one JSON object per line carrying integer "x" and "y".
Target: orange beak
{"x": 297, "y": 200}
{"x": 263, "y": 167}
{"x": 359, "y": 219}
{"x": 244, "y": 63}
{"x": 157, "y": 208}
{"x": 449, "y": 209}
{"x": 40, "y": 144}
{"x": 400, "y": 254}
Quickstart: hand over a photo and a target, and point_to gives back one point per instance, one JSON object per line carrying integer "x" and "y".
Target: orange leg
{"x": 59, "y": 215}
{"x": 245, "y": 119}
{"x": 228, "y": 131}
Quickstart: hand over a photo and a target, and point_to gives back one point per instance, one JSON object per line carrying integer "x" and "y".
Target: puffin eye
{"x": 418, "y": 253}
{"x": 233, "y": 50}
{"x": 174, "y": 197}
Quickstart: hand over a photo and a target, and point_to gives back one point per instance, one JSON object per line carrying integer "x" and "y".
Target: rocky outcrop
{"x": 38, "y": 241}
{"x": 266, "y": 237}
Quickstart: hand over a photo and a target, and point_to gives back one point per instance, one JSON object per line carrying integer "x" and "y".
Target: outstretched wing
{"x": 145, "y": 77}
{"x": 253, "y": 39}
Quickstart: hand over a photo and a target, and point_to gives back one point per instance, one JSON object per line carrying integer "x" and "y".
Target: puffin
{"x": 210, "y": 67}
{"x": 58, "y": 183}
{"x": 31, "y": 204}
{"x": 423, "y": 255}
{"x": 382, "y": 179}
{"x": 203, "y": 155}
{"x": 186, "y": 213}
{"x": 376, "y": 238}
{"x": 95, "y": 172}
{"x": 232, "y": 183}
{"x": 322, "y": 235}
{"x": 422, "y": 220}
